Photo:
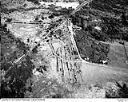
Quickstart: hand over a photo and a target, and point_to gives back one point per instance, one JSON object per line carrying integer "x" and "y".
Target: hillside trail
{"x": 95, "y": 73}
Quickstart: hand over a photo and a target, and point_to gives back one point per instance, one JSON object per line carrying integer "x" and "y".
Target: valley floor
{"x": 95, "y": 73}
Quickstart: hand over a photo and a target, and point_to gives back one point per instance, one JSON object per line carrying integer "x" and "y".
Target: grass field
{"x": 117, "y": 55}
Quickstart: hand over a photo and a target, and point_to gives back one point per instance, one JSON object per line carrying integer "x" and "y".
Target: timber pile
{"x": 66, "y": 57}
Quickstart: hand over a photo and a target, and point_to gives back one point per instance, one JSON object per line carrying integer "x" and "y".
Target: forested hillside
{"x": 31, "y": 68}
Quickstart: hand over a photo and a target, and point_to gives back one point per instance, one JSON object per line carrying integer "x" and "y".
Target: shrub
{"x": 47, "y": 88}
{"x": 88, "y": 47}
{"x": 117, "y": 90}
{"x": 16, "y": 75}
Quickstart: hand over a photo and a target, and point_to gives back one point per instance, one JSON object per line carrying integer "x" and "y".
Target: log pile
{"x": 68, "y": 60}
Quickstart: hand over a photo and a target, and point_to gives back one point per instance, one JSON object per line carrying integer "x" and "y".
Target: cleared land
{"x": 95, "y": 73}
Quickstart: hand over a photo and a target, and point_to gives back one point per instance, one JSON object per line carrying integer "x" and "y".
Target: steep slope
{"x": 44, "y": 58}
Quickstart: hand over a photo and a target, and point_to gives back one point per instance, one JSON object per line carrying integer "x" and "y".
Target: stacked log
{"x": 66, "y": 58}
